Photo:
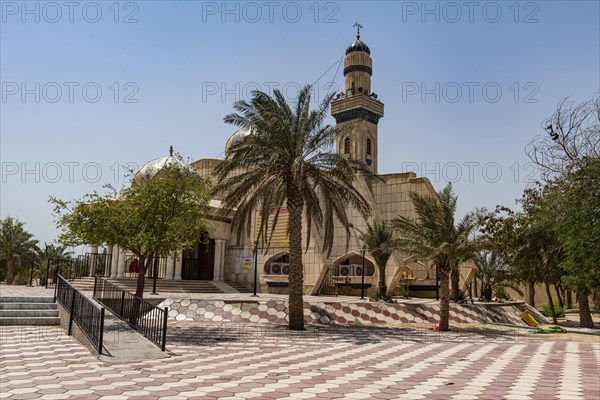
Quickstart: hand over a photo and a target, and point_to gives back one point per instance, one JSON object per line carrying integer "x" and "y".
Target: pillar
{"x": 178, "y": 265}
{"x": 170, "y": 270}
{"x": 121, "y": 264}
{"x": 107, "y": 263}
{"x": 114, "y": 265}
{"x": 219, "y": 259}
{"x": 93, "y": 260}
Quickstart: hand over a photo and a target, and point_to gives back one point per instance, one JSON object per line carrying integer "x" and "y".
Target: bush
{"x": 501, "y": 294}
{"x": 558, "y": 310}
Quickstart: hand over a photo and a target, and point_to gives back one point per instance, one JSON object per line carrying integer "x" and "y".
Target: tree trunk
{"x": 141, "y": 278}
{"x": 475, "y": 282}
{"x": 382, "y": 282}
{"x": 550, "y": 302}
{"x": 531, "y": 293}
{"x": 585, "y": 317}
{"x": 455, "y": 277}
{"x": 296, "y": 276}
{"x": 486, "y": 292}
{"x": 561, "y": 302}
{"x": 444, "y": 301}
{"x": 569, "y": 297}
{"x": 10, "y": 271}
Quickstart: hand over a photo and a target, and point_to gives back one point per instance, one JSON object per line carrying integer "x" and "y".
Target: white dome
{"x": 238, "y": 135}
{"x": 153, "y": 167}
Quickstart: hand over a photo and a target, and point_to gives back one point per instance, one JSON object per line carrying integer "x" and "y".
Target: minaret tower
{"x": 356, "y": 109}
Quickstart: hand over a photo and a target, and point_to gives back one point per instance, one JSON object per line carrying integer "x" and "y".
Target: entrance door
{"x": 199, "y": 264}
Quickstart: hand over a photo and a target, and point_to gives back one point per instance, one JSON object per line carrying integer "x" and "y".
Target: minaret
{"x": 356, "y": 109}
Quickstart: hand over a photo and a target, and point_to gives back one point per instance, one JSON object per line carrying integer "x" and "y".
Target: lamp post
{"x": 362, "y": 274}
{"x": 255, "y": 269}
{"x": 437, "y": 284}
{"x": 31, "y": 271}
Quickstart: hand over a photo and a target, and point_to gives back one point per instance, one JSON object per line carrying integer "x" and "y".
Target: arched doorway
{"x": 199, "y": 263}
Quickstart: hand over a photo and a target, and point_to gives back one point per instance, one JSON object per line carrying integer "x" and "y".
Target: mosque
{"x": 224, "y": 259}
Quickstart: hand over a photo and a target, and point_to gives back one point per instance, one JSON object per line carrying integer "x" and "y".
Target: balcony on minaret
{"x": 357, "y": 106}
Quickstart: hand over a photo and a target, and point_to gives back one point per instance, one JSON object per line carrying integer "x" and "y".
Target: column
{"x": 121, "y": 264}
{"x": 114, "y": 265}
{"x": 169, "y": 272}
{"x": 107, "y": 263}
{"x": 93, "y": 260}
{"x": 219, "y": 259}
{"x": 178, "y": 265}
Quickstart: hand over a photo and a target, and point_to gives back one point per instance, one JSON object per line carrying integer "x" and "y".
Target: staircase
{"x": 240, "y": 287}
{"x": 162, "y": 285}
{"x": 28, "y": 311}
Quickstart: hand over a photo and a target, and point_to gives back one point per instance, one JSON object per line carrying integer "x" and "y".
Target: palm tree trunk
{"x": 585, "y": 317}
{"x": 382, "y": 282}
{"x": 10, "y": 271}
{"x": 531, "y": 293}
{"x": 455, "y": 277}
{"x": 444, "y": 301}
{"x": 296, "y": 278}
{"x": 569, "y": 299}
{"x": 550, "y": 302}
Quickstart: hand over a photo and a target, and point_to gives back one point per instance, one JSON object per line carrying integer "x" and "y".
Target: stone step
{"x": 6, "y": 321}
{"x": 27, "y": 306}
{"x": 46, "y": 299}
{"x": 239, "y": 287}
{"x": 28, "y": 313}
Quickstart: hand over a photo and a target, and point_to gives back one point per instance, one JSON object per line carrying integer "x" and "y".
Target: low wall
{"x": 367, "y": 313}
{"x": 76, "y": 332}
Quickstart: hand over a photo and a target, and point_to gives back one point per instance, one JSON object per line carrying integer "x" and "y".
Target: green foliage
{"x": 285, "y": 160}
{"x": 162, "y": 215}
{"x": 16, "y": 247}
{"x": 381, "y": 242}
{"x": 494, "y": 274}
{"x": 434, "y": 235}
{"x": 547, "y": 310}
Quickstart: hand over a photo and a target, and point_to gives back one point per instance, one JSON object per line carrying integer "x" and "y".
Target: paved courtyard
{"x": 211, "y": 361}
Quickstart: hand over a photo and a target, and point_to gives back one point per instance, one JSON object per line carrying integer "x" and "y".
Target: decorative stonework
{"x": 367, "y": 313}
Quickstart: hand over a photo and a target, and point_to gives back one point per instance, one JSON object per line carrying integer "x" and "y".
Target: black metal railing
{"x": 88, "y": 316}
{"x": 158, "y": 266}
{"x": 144, "y": 317}
{"x": 329, "y": 285}
{"x": 81, "y": 266}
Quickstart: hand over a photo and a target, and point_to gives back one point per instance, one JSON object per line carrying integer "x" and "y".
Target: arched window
{"x": 347, "y": 146}
{"x": 368, "y": 147}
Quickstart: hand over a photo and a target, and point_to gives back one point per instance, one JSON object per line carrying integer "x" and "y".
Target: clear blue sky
{"x": 179, "y": 65}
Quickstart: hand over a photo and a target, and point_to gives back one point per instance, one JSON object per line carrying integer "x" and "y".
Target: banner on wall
{"x": 248, "y": 263}
{"x": 280, "y": 233}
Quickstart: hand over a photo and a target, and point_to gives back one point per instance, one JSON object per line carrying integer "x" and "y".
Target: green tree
{"x": 381, "y": 241}
{"x": 46, "y": 254}
{"x": 493, "y": 271}
{"x": 162, "y": 215}
{"x": 579, "y": 233}
{"x": 434, "y": 235}
{"x": 15, "y": 245}
{"x": 287, "y": 161}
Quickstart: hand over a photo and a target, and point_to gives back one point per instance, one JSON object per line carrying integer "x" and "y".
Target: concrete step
{"x": 27, "y": 306}
{"x": 28, "y": 313}
{"x": 46, "y": 299}
{"x": 240, "y": 287}
{"x": 5, "y": 321}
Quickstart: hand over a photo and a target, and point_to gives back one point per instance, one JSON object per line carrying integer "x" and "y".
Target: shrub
{"x": 560, "y": 312}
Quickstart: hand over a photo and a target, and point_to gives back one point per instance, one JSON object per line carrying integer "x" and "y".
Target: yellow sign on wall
{"x": 248, "y": 263}
{"x": 279, "y": 236}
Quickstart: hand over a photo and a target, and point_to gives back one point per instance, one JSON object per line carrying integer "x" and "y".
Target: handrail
{"x": 144, "y": 317}
{"x": 82, "y": 311}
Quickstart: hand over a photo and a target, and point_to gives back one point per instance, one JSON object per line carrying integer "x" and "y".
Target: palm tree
{"x": 15, "y": 244}
{"x": 48, "y": 253}
{"x": 493, "y": 271}
{"x": 287, "y": 161}
{"x": 381, "y": 241}
{"x": 435, "y": 236}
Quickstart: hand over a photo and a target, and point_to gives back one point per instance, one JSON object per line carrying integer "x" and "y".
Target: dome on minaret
{"x": 358, "y": 45}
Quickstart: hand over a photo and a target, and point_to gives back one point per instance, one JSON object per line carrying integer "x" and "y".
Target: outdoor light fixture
{"x": 362, "y": 272}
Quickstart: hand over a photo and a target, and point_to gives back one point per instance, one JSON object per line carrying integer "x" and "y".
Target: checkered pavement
{"x": 266, "y": 362}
